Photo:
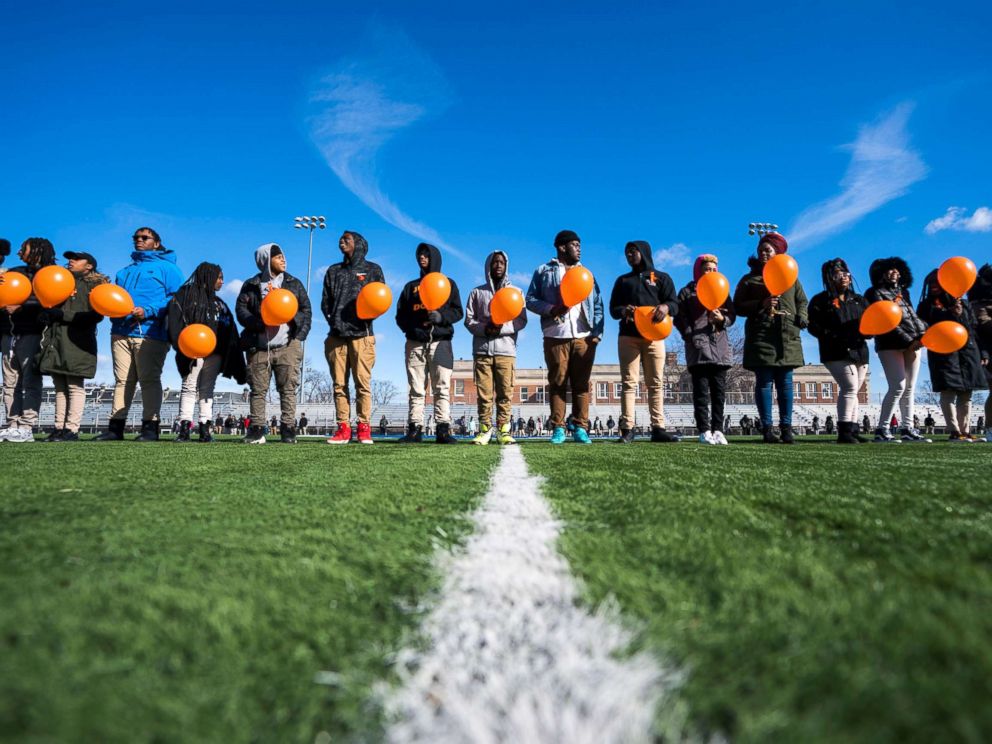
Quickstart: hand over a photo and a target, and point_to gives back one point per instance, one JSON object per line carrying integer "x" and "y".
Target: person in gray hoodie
{"x": 494, "y": 349}
{"x": 272, "y": 350}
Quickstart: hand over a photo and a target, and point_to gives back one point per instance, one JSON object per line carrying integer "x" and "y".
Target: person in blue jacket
{"x": 140, "y": 341}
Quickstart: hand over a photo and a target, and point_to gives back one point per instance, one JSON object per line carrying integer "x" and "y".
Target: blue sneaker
{"x": 580, "y": 436}
{"x": 558, "y": 437}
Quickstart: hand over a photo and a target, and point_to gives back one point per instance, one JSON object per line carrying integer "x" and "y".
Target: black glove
{"x": 435, "y": 317}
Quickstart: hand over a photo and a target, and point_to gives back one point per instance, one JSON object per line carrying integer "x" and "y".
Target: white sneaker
{"x": 719, "y": 438}
{"x": 5, "y": 432}
{"x": 706, "y": 438}
{"x": 20, "y": 436}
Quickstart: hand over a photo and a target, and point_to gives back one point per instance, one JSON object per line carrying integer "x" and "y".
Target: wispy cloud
{"x": 677, "y": 254}
{"x": 883, "y": 166}
{"x": 956, "y": 218}
{"x": 231, "y": 289}
{"x": 366, "y": 101}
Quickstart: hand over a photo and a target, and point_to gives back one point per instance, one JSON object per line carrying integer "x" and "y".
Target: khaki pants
{"x": 70, "y": 397}
{"x": 635, "y": 352}
{"x": 357, "y": 357}
{"x": 198, "y": 385}
{"x": 569, "y": 362}
{"x": 494, "y": 378}
{"x": 436, "y": 362}
{"x": 21, "y": 379}
{"x": 137, "y": 360}
{"x": 283, "y": 364}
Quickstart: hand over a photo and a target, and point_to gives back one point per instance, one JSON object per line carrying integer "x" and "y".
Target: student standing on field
{"x": 273, "y": 351}
{"x": 899, "y": 349}
{"x": 350, "y": 344}
{"x": 707, "y": 353}
{"x": 197, "y": 301}
{"x": 642, "y": 286}
{"x": 958, "y": 374}
{"x": 22, "y": 382}
{"x": 68, "y": 347}
{"x": 835, "y": 321}
{"x": 494, "y": 353}
{"x": 772, "y": 344}
{"x": 428, "y": 350}
{"x": 980, "y": 298}
{"x": 571, "y": 336}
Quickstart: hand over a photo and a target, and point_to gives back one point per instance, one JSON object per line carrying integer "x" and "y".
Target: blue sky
{"x": 854, "y": 126}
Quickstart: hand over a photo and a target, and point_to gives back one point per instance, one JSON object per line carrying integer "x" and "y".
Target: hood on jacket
{"x": 95, "y": 278}
{"x": 981, "y": 290}
{"x": 489, "y": 276}
{"x": 263, "y": 259}
{"x": 361, "y": 249}
{"x": 166, "y": 254}
{"x": 697, "y": 266}
{"x": 645, "y": 250}
{"x": 435, "y": 261}
{"x": 881, "y": 266}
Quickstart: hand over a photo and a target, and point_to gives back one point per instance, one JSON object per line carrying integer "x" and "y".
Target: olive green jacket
{"x": 770, "y": 340}
{"x": 68, "y": 343}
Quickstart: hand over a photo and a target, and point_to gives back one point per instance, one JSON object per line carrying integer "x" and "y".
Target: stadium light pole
{"x": 761, "y": 228}
{"x": 309, "y": 224}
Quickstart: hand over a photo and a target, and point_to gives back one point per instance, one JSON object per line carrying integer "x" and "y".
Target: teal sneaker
{"x": 558, "y": 437}
{"x": 580, "y": 436}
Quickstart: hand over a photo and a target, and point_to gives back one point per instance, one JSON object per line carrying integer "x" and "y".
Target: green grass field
{"x": 177, "y": 592}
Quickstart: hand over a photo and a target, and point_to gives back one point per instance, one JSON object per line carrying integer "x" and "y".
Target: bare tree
{"x": 318, "y": 387}
{"x": 383, "y": 392}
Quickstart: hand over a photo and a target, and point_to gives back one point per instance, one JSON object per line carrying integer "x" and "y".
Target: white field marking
{"x": 511, "y": 656}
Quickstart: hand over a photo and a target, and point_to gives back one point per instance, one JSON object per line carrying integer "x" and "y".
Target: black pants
{"x": 709, "y": 383}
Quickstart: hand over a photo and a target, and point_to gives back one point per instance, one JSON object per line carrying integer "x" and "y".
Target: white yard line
{"x": 511, "y": 656}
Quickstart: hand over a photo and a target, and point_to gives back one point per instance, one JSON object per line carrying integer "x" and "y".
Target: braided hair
{"x": 197, "y": 298}
{"x": 40, "y": 252}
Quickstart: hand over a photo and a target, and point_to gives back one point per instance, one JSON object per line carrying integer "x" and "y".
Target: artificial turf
{"x": 169, "y": 592}
{"x": 812, "y": 593}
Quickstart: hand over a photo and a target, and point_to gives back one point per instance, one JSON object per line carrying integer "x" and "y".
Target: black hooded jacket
{"x": 342, "y": 283}
{"x": 639, "y": 288}
{"x": 910, "y": 328}
{"x": 836, "y": 322}
{"x": 25, "y": 321}
{"x": 220, "y": 320}
{"x": 962, "y": 369}
{"x": 411, "y": 316}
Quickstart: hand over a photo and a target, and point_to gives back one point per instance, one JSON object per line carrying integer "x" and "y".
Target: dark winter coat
{"x": 980, "y": 298}
{"x": 342, "y": 283}
{"x": 705, "y": 343}
{"x": 770, "y": 341}
{"x": 221, "y": 321}
{"x": 644, "y": 287}
{"x": 249, "y": 312}
{"x": 25, "y": 321}
{"x": 411, "y": 316}
{"x": 963, "y": 369}
{"x": 911, "y": 328}
{"x": 68, "y": 344}
{"x": 835, "y": 324}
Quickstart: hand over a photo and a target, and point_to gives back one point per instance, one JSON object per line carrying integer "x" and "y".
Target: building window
{"x": 523, "y": 394}
{"x": 826, "y": 390}
{"x": 811, "y": 390}
{"x": 602, "y": 390}
{"x": 617, "y": 390}
{"x": 540, "y": 394}
{"x": 798, "y": 395}
{"x": 459, "y": 388}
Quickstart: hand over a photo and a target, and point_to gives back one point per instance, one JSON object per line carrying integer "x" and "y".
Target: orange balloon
{"x": 111, "y": 301}
{"x": 780, "y": 273}
{"x": 506, "y": 305}
{"x": 197, "y": 341}
{"x": 880, "y": 317}
{"x": 435, "y": 289}
{"x": 576, "y": 285}
{"x": 945, "y": 337}
{"x": 53, "y": 285}
{"x": 956, "y": 275}
{"x": 15, "y": 288}
{"x": 712, "y": 289}
{"x": 650, "y": 330}
{"x": 373, "y": 300}
{"x": 279, "y": 306}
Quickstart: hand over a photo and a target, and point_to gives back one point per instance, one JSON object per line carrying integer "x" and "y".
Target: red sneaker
{"x": 364, "y": 433}
{"x": 342, "y": 435}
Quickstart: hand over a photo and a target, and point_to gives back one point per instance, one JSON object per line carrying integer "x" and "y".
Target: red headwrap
{"x": 778, "y": 241}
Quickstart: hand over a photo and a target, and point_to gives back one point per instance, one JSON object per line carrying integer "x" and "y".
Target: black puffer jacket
{"x": 411, "y": 316}
{"x": 249, "y": 312}
{"x": 646, "y": 287}
{"x": 221, "y": 321}
{"x": 910, "y": 328}
{"x": 961, "y": 370}
{"x": 342, "y": 283}
{"x": 980, "y": 298}
{"x": 834, "y": 323}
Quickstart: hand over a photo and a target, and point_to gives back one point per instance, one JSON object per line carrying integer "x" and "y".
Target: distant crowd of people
{"x": 61, "y": 342}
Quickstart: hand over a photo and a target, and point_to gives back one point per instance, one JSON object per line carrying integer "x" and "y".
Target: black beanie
{"x": 276, "y": 251}
{"x": 565, "y": 237}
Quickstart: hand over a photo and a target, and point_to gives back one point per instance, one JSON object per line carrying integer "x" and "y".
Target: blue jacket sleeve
{"x": 535, "y": 302}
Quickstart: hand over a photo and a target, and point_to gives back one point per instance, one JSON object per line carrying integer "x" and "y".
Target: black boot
{"x": 444, "y": 435}
{"x": 856, "y": 433}
{"x": 204, "y": 432}
{"x": 786, "y": 434}
{"x": 184, "y": 429}
{"x": 658, "y": 434}
{"x": 149, "y": 432}
{"x": 414, "y": 435}
{"x": 845, "y": 433}
{"x": 255, "y": 435}
{"x": 626, "y": 436}
{"x": 287, "y": 433}
{"x": 69, "y": 436}
{"x": 769, "y": 436}
{"x": 57, "y": 435}
{"x": 114, "y": 432}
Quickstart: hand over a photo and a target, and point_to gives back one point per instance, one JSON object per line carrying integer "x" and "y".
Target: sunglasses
{"x": 136, "y": 238}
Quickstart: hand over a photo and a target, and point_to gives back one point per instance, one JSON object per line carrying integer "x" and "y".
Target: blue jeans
{"x": 763, "y": 379}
